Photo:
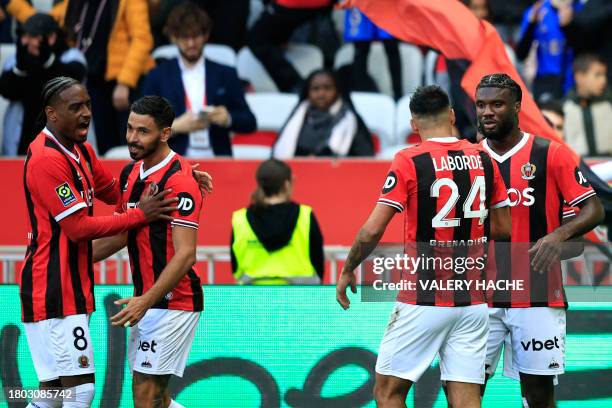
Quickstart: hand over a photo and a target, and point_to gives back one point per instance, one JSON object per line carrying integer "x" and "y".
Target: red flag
{"x": 450, "y": 27}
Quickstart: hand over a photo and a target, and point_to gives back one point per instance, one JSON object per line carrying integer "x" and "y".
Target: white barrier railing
{"x": 334, "y": 254}
{"x": 10, "y": 255}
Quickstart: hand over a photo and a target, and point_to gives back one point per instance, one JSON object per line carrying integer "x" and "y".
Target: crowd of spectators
{"x": 560, "y": 50}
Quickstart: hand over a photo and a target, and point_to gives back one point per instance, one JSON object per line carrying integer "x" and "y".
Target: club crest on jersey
{"x": 528, "y": 171}
{"x": 83, "y": 361}
{"x": 65, "y": 194}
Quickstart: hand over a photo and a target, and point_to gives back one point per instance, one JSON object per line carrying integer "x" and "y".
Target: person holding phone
{"x": 207, "y": 97}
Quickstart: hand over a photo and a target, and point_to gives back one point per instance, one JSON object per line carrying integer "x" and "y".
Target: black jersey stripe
{"x": 426, "y": 211}
{"x": 538, "y": 222}
{"x": 158, "y": 236}
{"x": 53, "y": 294}
{"x": 26, "y": 274}
{"x": 503, "y": 255}
{"x": 464, "y": 230}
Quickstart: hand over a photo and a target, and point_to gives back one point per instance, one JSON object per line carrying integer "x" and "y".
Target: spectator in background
{"x": 362, "y": 32}
{"x": 207, "y": 97}
{"x": 554, "y": 57}
{"x": 42, "y": 54}
{"x": 553, "y": 113}
{"x": 273, "y": 29}
{"x": 507, "y": 15}
{"x": 116, "y": 39}
{"x": 480, "y": 8}
{"x": 590, "y": 29}
{"x": 324, "y": 123}
{"x": 588, "y": 108}
{"x": 230, "y": 19}
{"x": 276, "y": 241}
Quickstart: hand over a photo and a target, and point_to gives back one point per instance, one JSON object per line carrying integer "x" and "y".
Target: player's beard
{"x": 190, "y": 59}
{"x": 144, "y": 152}
{"x": 503, "y": 129}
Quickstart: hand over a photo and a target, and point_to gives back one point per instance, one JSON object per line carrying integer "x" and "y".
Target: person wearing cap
{"x": 42, "y": 54}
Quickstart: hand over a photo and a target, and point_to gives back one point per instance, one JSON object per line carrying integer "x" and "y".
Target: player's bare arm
{"x": 80, "y": 226}
{"x": 104, "y": 247}
{"x": 185, "y": 241}
{"x": 575, "y": 246}
{"x": 548, "y": 248}
{"x": 501, "y": 223}
{"x": 365, "y": 242}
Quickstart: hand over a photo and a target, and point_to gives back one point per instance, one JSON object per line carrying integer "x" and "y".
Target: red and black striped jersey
{"x": 446, "y": 187}
{"x": 151, "y": 246}
{"x": 57, "y": 275}
{"x": 544, "y": 183}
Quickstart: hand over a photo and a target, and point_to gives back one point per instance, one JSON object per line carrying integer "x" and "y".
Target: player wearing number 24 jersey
{"x": 454, "y": 201}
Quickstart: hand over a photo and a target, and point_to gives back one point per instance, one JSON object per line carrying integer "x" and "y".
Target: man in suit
{"x": 207, "y": 97}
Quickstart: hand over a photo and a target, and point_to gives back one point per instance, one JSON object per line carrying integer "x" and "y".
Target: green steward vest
{"x": 287, "y": 265}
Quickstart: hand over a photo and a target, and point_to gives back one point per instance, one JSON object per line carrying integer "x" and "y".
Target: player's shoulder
{"x": 182, "y": 173}
{"x": 45, "y": 152}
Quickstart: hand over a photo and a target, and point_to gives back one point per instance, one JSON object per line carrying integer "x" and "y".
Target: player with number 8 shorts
{"x": 62, "y": 176}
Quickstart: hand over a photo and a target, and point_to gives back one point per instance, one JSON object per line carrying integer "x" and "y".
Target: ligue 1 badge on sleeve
{"x": 528, "y": 171}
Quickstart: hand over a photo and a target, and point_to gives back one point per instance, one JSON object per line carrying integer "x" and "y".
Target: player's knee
{"x": 148, "y": 391}
{"x": 385, "y": 394}
{"x": 82, "y": 396}
{"x": 538, "y": 390}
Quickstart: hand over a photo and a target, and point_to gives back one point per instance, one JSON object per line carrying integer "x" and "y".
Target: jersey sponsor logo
{"x": 65, "y": 194}
{"x": 539, "y": 345}
{"x": 525, "y": 197}
{"x": 390, "y": 182}
{"x": 528, "y": 171}
{"x": 146, "y": 346}
{"x": 580, "y": 178}
{"x": 186, "y": 204}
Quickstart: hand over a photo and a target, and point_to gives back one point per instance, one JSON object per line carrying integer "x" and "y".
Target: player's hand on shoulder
{"x": 155, "y": 206}
{"x": 204, "y": 180}
{"x": 346, "y": 279}
{"x": 135, "y": 309}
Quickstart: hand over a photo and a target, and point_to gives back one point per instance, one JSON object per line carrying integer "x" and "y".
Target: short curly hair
{"x": 187, "y": 18}
{"x": 502, "y": 81}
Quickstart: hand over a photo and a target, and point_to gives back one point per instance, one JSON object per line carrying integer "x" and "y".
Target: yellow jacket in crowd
{"x": 130, "y": 44}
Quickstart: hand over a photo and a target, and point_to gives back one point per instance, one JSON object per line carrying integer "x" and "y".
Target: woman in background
{"x": 324, "y": 123}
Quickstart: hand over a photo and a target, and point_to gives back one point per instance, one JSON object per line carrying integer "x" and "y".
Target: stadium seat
{"x": 412, "y": 65}
{"x": 271, "y": 111}
{"x": 219, "y": 53}
{"x": 118, "y": 152}
{"x": 389, "y": 152}
{"x": 429, "y": 67}
{"x": 378, "y": 113}
{"x": 305, "y": 58}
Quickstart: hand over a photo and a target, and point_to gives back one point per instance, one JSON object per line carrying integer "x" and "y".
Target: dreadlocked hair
{"x": 51, "y": 90}
{"x": 502, "y": 81}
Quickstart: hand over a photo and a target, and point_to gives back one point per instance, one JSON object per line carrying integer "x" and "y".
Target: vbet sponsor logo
{"x": 537, "y": 345}
{"x": 146, "y": 346}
